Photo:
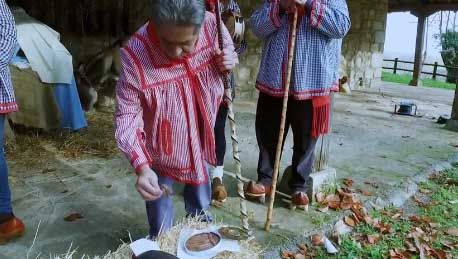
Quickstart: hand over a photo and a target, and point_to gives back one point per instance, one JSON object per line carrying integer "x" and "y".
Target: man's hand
{"x": 288, "y": 5}
{"x": 147, "y": 184}
{"x": 226, "y": 60}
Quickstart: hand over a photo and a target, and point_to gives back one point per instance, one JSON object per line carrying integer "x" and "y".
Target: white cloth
{"x": 216, "y": 172}
{"x": 225, "y": 245}
{"x": 143, "y": 245}
{"x": 41, "y": 45}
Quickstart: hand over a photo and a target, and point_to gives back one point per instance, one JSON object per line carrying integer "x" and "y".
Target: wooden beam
{"x": 419, "y": 50}
{"x": 431, "y": 7}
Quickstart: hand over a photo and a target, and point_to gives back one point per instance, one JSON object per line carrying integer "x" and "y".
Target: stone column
{"x": 418, "y": 65}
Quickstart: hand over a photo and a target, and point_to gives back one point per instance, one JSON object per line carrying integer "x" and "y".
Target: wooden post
{"x": 435, "y": 70}
{"x": 395, "y": 67}
{"x": 416, "y": 79}
{"x": 455, "y": 105}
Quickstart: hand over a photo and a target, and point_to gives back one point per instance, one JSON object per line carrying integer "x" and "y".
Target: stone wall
{"x": 90, "y": 20}
{"x": 362, "y": 49}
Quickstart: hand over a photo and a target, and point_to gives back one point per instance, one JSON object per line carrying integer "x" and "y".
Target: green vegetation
{"x": 405, "y": 79}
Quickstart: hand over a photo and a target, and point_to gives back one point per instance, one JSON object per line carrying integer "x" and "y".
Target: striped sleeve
{"x": 330, "y": 17}
{"x": 8, "y": 39}
{"x": 129, "y": 132}
{"x": 266, "y": 19}
{"x": 227, "y": 40}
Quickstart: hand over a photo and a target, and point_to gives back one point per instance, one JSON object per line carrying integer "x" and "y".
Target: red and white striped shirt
{"x": 166, "y": 109}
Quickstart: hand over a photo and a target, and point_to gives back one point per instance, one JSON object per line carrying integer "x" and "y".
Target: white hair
{"x": 178, "y": 12}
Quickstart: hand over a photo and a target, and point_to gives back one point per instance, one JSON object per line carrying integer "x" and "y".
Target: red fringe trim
{"x": 321, "y": 116}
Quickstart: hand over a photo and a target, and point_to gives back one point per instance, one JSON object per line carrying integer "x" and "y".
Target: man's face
{"x": 177, "y": 41}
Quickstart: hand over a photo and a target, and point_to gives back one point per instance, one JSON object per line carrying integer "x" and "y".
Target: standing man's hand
{"x": 288, "y": 5}
{"x": 147, "y": 184}
{"x": 226, "y": 59}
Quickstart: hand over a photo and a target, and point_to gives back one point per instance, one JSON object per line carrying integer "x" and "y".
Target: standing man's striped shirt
{"x": 321, "y": 27}
{"x": 8, "y": 43}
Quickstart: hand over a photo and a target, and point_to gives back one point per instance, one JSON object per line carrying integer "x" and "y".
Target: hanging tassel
{"x": 321, "y": 115}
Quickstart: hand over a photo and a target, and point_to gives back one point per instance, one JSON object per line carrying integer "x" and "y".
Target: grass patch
{"x": 405, "y": 79}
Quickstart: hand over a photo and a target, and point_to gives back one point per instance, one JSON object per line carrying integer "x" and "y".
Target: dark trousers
{"x": 299, "y": 117}
{"x": 5, "y": 193}
{"x": 220, "y": 134}
{"x": 161, "y": 212}
{"x": 220, "y": 127}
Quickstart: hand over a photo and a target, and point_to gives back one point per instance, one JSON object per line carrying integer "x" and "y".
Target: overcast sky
{"x": 401, "y": 35}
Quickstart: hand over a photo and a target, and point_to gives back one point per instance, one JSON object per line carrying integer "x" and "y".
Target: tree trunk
{"x": 455, "y": 106}
{"x": 440, "y": 24}
{"x": 452, "y": 124}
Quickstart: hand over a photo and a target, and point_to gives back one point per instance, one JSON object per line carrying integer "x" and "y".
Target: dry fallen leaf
{"x": 433, "y": 177}
{"x": 333, "y": 201}
{"x": 425, "y": 191}
{"x": 366, "y": 193}
{"x": 420, "y": 220}
{"x": 398, "y": 254}
{"x": 348, "y": 182}
{"x": 452, "y": 231}
{"x": 410, "y": 247}
{"x": 299, "y": 256}
{"x": 383, "y": 228}
{"x": 303, "y": 247}
{"x": 347, "y": 203}
{"x": 434, "y": 225}
{"x": 287, "y": 254}
{"x": 449, "y": 244}
{"x": 73, "y": 217}
{"x": 437, "y": 253}
{"x": 317, "y": 240}
{"x": 397, "y": 215}
{"x": 320, "y": 197}
{"x": 350, "y": 222}
{"x": 373, "y": 239}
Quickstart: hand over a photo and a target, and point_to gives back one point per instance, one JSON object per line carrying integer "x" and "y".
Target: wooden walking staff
{"x": 235, "y": 142}
{"x": 282, "y": 123}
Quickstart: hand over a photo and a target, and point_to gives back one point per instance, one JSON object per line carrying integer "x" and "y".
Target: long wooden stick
{"x": 282, "y": 124}
{"x": 231, "y": 116}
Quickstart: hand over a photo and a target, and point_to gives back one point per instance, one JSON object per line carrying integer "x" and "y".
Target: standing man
{"x": 10, "y": 226}
{"x": 168, "y": 95}
{"x": 219, "y": 192}
{"x": 321, "y": 26}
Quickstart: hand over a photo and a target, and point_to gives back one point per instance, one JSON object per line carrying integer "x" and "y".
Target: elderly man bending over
{"x": 168, "y": 96}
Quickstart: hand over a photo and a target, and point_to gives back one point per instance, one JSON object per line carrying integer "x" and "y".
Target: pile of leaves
{"x": 343, "y": 199}
{"x": 426, "y": 228}
{"x": 302, "y": 252}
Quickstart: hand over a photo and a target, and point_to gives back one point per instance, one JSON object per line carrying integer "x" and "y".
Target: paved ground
{"x": 368, "y": 144}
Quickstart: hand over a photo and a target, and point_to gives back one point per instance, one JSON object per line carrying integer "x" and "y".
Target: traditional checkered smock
{"x": 315, "y": 70}
{"x": 166, "y": 109}
{"x": 8, "y": 43}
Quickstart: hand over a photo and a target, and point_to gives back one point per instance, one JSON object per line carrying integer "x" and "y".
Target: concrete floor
{"x": 368, "y": 144}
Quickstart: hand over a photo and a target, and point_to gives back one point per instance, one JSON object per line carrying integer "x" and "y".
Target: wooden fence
{"x": 435, "y": 66}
